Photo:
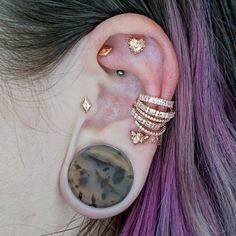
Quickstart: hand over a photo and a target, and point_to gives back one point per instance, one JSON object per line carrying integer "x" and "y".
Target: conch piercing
{"x": 136, "y": 45}
{"x": 105, "y": 50}
{"x": 150, "y": 122}
{"x": 86, "y": 104}
{"x": 120, "y": 73}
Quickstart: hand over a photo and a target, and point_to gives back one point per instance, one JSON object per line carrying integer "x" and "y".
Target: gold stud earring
{"x": 105, "y": 50}
{"x": 136, "y": 45}
{"x": 86, "y": 105}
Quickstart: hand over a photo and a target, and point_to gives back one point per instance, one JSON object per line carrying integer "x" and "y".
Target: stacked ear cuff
{"x": 151, "y": 123}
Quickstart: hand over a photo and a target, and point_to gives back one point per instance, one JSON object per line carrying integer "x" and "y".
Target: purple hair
{"x": 191, "y": 185}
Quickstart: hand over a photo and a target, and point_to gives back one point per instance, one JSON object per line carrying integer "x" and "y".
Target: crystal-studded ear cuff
{"x": 151, "y": 123}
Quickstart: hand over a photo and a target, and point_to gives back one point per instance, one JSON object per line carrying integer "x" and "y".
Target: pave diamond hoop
{"x": 153, "y": 112}
{"x": 145, "y": 122}
{"x": 156, "y": 101}
{"x": 160, "y": 132}
{"x": 150, "y": 117}
{"x": 151, "y": 123}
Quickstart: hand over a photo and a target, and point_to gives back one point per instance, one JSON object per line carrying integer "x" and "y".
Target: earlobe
{"x": 110, "y": 152}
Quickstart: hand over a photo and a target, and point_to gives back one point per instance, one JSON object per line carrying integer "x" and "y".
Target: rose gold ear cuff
{"x": 150, "y": 122}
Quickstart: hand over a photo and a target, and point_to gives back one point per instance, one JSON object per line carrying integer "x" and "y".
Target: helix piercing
{"x": 136, "y": 45}
{"x": 105, "y": 50}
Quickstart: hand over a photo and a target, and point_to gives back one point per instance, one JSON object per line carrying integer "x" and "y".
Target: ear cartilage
{"x": 105, "y": 50}
{"x": 86, "y": 104}
{"x": 136, "y": 45}
{"x": 151, "y": 123}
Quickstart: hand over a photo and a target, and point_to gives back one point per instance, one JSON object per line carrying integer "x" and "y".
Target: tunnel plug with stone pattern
{"x": 100, "y": 176}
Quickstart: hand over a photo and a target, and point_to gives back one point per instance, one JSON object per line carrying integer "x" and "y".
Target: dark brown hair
{"x": 191, "y": 188}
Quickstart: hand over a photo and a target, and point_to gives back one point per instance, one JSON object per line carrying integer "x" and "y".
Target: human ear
{"x": 85, "y": 184}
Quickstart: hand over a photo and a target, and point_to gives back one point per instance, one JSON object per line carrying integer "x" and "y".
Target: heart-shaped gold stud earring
{"x": 136, "y": 45}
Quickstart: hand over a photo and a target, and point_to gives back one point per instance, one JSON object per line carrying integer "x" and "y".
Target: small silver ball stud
{"x": 120, "y": 73}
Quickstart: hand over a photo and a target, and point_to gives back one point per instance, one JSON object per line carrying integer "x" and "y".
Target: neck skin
{"x": 36, "y": 126}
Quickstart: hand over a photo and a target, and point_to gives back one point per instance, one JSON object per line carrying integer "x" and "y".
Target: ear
{"x": 154, "y": 71}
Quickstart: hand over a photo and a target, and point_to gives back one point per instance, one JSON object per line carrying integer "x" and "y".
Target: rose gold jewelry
{"x": 145, "y": 122}
{"x": 86, "y": 105}
{"x": 156, "y": 101}
{"x": 136, "y": 45}
{"x": 105, "y": 51}
{"x": 154, "y": 112}
{"x": 150, "y": 117}
{"x": 150, "y": 122}
{"x": 158, "y": 133}
{"x": 138, "y": 137}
